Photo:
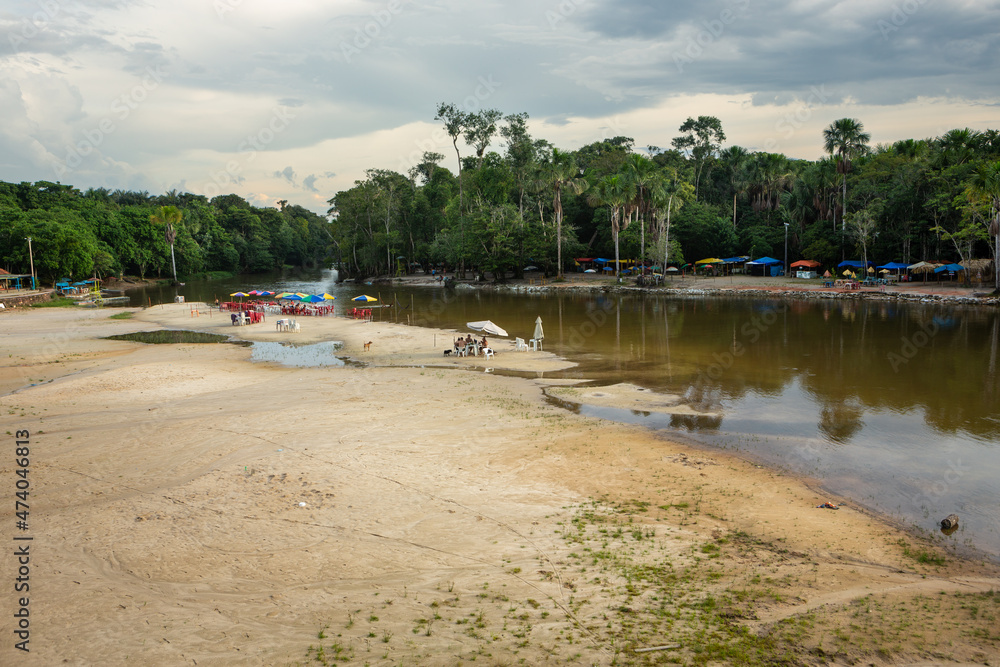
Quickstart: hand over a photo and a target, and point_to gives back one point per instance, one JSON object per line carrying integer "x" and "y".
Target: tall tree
{"x": 480, "y": 129}
{"x": 560, "y": 173}
{"x": 986, "y": 184}
{"x": 702, "y": 138}
{"x": 613, "y": 191}
{"x": 736, "y": 160}
{"x": 641, "y": 172}
{"x": 846, "y": 138}
{"x": 455, "y": 123}
{"x": 169, "y": 217}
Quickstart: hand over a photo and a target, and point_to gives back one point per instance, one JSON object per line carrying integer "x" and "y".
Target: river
{"x": 891, "y": 405}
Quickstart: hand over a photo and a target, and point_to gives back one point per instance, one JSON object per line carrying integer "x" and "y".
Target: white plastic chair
{"x": 536, "y": 344}
{"x": 519, "y": 345}
{"x": 488, "y": 352}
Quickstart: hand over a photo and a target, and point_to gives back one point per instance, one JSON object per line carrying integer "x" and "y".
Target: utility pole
{"x": 31, "y": 258}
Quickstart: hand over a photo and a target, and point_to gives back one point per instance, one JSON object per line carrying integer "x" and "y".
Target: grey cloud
{"x": 309, "y": 183}
{"x": 287, "y": 173}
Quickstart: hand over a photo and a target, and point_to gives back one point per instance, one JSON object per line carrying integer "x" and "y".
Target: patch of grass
{"x": 922, "y": 556}
{"x": 61, "y": 302}
{"x": 124, "y": 315}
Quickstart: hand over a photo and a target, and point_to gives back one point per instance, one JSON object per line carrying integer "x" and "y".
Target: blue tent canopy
{"x": 854, "y": 264}
{"x": 949, "y": 267}
{"x": 893, "y": 265}
{"x": 765, "y": 261}
{"x": 735, "y": 260}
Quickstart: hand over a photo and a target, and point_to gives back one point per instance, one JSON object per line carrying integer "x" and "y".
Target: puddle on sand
{"x": 316, "y": 355}
{"x": 173, "y": 336}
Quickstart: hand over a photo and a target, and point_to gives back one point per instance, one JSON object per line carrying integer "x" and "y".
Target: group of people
{"x": 469, "y": 343}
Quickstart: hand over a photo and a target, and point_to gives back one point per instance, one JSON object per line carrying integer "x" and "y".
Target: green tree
{"x": 702, "y": 138}
{"x": 561, "y": 173}
{"x": 846, "y": 138}
{"x": 169, "y": 217}
{"x": 614, "y": 192}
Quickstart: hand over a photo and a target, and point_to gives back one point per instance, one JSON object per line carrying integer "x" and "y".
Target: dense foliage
{"x": 930, "y": 199}
{"x": 100, "y": 233}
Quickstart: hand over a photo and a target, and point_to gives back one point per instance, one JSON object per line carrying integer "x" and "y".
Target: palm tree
{"x": 847, "y": 139}
{"x": 169, "y": 217}
{"x": 667, "y": 194}
{"x": 641, "y": 173}
{"x": 736, "y": 160}
{"x": 986, "y": 184}
{"x": 561, "y": 172}
{"x": 613, "y": 191}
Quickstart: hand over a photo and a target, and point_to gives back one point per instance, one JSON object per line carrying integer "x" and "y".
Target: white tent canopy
{"x": 486, "y": 327}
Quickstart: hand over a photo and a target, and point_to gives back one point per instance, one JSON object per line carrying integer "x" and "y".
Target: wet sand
{"x": 191, "y": 507}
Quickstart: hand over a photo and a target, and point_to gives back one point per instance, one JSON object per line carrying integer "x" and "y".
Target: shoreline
{"x": 198, "y": 506}
{"x": 741, "y": 286}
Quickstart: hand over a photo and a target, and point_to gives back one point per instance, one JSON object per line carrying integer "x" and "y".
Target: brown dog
{"x": 368, "y": 346}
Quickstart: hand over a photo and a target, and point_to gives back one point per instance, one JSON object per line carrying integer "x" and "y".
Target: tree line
{"x": 531, "y": 203}
{"x": 101, "y": 233}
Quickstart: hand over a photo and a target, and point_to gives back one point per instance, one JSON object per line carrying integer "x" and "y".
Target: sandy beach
{"x": 189, "y": 506}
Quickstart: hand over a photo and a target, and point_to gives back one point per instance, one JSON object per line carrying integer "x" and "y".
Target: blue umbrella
{"x": 315, "y": 298}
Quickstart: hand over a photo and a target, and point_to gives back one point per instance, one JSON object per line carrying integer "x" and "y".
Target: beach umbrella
{"x": 590, "y": 271}
{"x": 487, "y": 327}
{"x": 826, "y": 274}
{"x": 539, "y": 334}
{"x": 710, "y": 260}
{"x": 314, "y": 298}
{"x": 302, "y": 295}
{"x": 253, "y": 293}
{"x": 672, "y": 269}
{"x": 847, "y": 272}
{"x": 292, "y": 297}
{"x": 871, "y": 270}
{"x": 265, "y": 293}
{"x": 328, "y": 297}
{"x": 239, "y": 294}
{"x": 364, "y": 297}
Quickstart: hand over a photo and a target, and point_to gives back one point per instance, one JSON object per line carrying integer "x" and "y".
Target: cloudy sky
{"x": 295, "y": 99}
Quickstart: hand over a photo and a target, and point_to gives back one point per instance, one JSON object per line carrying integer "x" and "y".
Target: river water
{"x": 892, "y": 405}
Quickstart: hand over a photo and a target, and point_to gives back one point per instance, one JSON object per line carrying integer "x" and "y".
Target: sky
{"x": 295, "y": 100}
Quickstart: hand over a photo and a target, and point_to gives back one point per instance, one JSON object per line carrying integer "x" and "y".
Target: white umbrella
{"x": 487, "y": 327}
{"x": 539, "y": 334}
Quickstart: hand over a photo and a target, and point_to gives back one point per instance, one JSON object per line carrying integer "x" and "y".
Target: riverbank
{"x": 744, "y": 286}
{"x": 189, "y": 505}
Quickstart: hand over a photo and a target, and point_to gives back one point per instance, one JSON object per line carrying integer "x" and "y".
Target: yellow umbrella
{"x": 847, "y": 272}
{"x": 871, "y": 270}
{"x": 710, "y": 260}
{"x": 328, "y": 297}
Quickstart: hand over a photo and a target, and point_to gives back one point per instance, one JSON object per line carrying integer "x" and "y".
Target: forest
{"x": 99, "y": 233}
{"x": 535, "y": 204}
{"x": 532, "y": 203}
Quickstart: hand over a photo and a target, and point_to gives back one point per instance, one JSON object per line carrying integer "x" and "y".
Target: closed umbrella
{"x": 539, "y": 334}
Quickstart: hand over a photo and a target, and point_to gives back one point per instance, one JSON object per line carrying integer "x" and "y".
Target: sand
{"x": 191, "y": 507}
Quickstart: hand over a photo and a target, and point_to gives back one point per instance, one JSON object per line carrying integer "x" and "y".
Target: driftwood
{"x": 950, "y": 521}
{"x": 666, "y": 647}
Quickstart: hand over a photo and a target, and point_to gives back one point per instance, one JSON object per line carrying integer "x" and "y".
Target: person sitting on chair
{"x": 484, "y": 343}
